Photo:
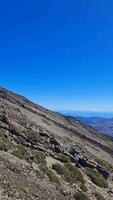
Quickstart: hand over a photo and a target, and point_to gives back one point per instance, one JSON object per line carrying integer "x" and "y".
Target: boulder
{"x": 72, "y": 151}
{"x": 57, "y": 149}
{"x": 105, "y": 173}
{"x": 73, "y": 159}
{"x": 85, "y": 163}
{"x": 54, "y": 142}
{"x": 77, "y": 165}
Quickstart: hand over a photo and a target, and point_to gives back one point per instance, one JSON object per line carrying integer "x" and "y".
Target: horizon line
{"x": 102, "y": 111}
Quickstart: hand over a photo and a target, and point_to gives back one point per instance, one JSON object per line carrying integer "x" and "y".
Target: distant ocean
{"x": 88, "y": 114}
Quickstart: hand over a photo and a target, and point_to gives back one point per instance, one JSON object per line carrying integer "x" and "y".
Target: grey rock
{"x": 85, "y": 163}
{"x": 57, "y": 149}
{"x": 54, "y": 142}
{"x": 105, "y": 173}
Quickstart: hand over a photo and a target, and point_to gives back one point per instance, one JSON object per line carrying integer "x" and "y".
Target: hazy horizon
{"x": 103, "y": 114}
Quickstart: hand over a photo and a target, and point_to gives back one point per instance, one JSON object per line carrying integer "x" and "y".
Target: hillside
{"x": 102, "y": 124}
{"x": 45, "y": 155}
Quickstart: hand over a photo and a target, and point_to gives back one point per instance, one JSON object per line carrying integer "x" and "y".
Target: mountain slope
{"x": 45, "y": 155}
{"x": 102, "y": 124}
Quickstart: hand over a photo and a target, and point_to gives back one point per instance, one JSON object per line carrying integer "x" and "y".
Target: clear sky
{"x": 58, "y": 53}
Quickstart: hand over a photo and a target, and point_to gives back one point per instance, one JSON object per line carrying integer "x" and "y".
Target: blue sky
{"x": 58, "y": 53}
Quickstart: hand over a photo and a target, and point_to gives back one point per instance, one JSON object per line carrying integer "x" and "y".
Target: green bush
{"x": 25, "y": 190}
{"x": 83, "y": 187}
{"x": 33, "y": 156}
{"x": 63, "y": 158}
{"x": 67, "y": 140}
{"x": 34, "y": 136}
{"x": 80, "y": 196}
{"x": 38, "y": 157}
{"x": 70, "y": 173}
{"x": 21, "y": 153}
{"x": 75, "y": 174}
{"x": 5, "y": 145}
{"x": 52, "y": 177}
{"x": 99, "y": 196}
{"x": 97, "y": 178}
{"x": 60, "y": 169}
{"x": 45, "y": 170}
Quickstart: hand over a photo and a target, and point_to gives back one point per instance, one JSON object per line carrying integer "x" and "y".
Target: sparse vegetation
{"x": 25, "y": 189}
{"x": 5, "y": 144}
{"x": 83, "y": 187}
{"x": 34, "y": 136}
{"x": 38, "y": 157}
{"x": 78, "y": 147}
{"x": 80, "y": 196}
{"x": 75, "y": 174}
{"x": 60, "y": 169}
{"x": 81, "y": 149}
{"x": 70, "y": 173}
{"x": 67, "y": 140}
{"x": 34, "y": 156}
{"x": 64, "y": 158}
{"x": 21, "y": 153}
{"x": 52, "y": 177}
{"x": 97, "y": 178}
{"x": 45, "y": 170}
{"x": 99, "y": 196}
{"x": 46, "y": 122}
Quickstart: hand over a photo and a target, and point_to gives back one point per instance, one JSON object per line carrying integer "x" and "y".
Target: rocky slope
{"x": 45, "y": 155}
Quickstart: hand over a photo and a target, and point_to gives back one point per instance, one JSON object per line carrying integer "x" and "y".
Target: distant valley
{"x": 103, "y": 125}
{"x": 101, "y": 121}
